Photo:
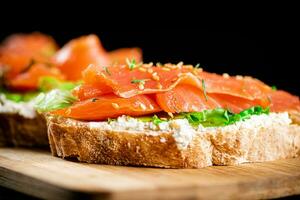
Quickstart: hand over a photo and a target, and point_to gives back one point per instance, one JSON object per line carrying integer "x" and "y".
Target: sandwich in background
{"x": 33, "y": 63}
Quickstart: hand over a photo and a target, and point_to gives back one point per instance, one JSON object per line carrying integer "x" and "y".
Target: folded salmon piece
{"x": 110, "y": 106}
{"x": 77, "y": 54}
{"x": 18, "y": 51}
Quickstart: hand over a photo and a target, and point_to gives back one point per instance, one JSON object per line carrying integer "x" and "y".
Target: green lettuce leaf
{"x": 17, "y": 96}
{"x": 216, "y": 117}
{"x": 211, "y": 118}
{"x": 221, "y": 117}
{"x": 13, "y": 96}
{"x": 54, "y": 100}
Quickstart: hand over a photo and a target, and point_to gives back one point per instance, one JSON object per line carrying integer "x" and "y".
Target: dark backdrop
{"x": 271, "y": 56}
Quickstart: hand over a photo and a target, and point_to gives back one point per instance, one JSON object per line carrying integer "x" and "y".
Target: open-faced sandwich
{"x": 33, "y": 63}
{"x": 172, "y": 116}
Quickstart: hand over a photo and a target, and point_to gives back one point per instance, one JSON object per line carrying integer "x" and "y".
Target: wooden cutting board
{"x": 37, "y": 173}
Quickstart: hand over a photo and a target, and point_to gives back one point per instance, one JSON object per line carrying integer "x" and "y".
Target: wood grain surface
{"x": 39, "y": 174}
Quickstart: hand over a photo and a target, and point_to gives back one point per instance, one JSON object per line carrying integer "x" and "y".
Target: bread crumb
{"x": 137, "y": 149}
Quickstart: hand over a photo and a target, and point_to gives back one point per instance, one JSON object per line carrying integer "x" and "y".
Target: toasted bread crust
{"x": 76, "y": 139}
{"x": 79, "y": 141}
{"x": 17, "y": 130}
{"x": 266, "y": 144}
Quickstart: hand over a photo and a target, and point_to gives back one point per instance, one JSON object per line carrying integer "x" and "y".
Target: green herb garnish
{"x": 197, "y": 66}
{"x": 156, "y": 120}
{"x": 142, "y": 81}
{"x": 107, "y": 71}
{"x": 274, "y": 87}
{"x": 94, "y": 99}
{"x": 53, "y": 100}
{"x": 131, "y": 63}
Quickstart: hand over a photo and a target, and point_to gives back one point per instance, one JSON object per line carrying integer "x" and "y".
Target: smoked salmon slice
{"x": 110, "y": 106}
{"x": 244, "y": 87}
{"x": 19, "y": 50}
{"x": 88, "y": 91}
{"x": 77, "y": 54}
{"x": 237, "y": 104}
{"x": 185, "y": 98}
{"x": 283, "y": 101}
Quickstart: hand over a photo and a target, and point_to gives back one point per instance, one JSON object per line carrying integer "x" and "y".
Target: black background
{"x": 270, "y": 55}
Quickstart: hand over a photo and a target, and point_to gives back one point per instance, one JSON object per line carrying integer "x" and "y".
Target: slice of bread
{"x": 20, "y": 125}
{"x": 261, "y": 138}
{"x": 17, "y": 130}
{"x": 76, "y": 139}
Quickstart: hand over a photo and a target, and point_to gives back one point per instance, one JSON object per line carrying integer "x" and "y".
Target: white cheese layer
{"x": 255, "y": 122}
{"x": 24, "y": 109}
{"x": 183, "y": 132}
